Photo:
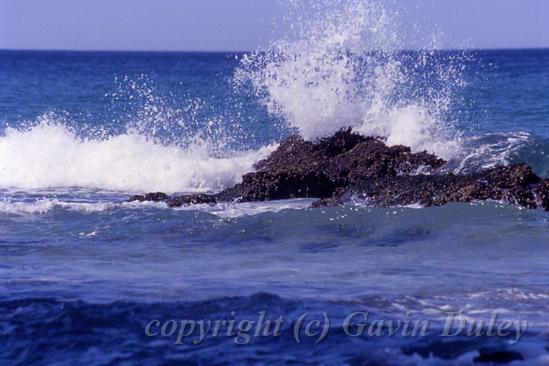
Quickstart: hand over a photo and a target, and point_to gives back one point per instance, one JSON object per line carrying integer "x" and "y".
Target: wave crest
{"x": 51, "y": 155}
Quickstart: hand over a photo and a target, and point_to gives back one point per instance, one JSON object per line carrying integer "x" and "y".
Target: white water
{"x": 49, "y": 155}
{"x": 342, "y": 68}
{"x": 223, "y": 210}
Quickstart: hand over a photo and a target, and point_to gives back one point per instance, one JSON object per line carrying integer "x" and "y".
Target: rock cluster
{"x": 348, "y": 166}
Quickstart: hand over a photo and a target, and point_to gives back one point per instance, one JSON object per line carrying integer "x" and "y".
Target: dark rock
{"x": 176, "y": 201}
{"x": 194, "y": 199}
{"x": 348, "y": 165}
{"x": 301, "y": 168}
{"x": 514, "y": 184}
{"x": 154, "y": 197}
{"x": 346, "y": 158}
{"x": 544, "y": 194}
{"x": 498, "y": 356}
{"x": 282, "y": 184}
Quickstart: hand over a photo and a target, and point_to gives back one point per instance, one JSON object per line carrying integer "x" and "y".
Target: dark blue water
{"x": 82, "y": 274}
{"x": 108, "y": 89}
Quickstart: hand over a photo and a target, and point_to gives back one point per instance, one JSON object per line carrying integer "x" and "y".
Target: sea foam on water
{"x": 50, "y": 155}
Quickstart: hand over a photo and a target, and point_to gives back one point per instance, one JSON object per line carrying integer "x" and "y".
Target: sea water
{"x": 86, "y": 277}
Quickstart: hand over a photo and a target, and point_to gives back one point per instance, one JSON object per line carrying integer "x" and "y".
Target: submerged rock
{"x": 348, "y": 166}
{"x": 498, "y": 356}
{"x": 154, "y": 197}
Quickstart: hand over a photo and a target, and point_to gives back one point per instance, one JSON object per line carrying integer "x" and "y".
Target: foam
{"x": 344, "y": 69}
{"x": 490, "y": 150}
{"x": 50, "y": 155}
{"x": 45, "y": 205}
{"x": 223, "y": 210}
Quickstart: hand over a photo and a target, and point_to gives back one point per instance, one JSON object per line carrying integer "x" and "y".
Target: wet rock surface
{"x": 175, "y": 201}
{"x": 514, "y": 184}
{"x": 350, "y": 167}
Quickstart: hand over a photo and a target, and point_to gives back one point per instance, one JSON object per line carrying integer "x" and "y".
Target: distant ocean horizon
{"x": 535, "y": 48}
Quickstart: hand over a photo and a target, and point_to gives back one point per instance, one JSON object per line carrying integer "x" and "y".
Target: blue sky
{"x": 243, "y": 24}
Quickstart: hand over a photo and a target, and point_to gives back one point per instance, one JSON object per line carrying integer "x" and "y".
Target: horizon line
{"x": 246, "y": 51}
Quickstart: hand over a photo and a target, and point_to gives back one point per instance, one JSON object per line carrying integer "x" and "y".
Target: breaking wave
{"x": 50, "y": 155}
{"x": 345, "y": 67}
{"x": 342, "y": 66}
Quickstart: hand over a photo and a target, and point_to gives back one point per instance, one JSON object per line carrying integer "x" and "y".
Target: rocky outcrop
{"x": 348, "y": 166}
{"x": 514, "y": 184}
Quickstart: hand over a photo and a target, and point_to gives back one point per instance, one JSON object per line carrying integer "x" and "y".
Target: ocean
{"x": 87, "y": 278}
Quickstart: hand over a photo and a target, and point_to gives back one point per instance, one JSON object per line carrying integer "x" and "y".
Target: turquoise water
{"x": 82, "y": 273}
